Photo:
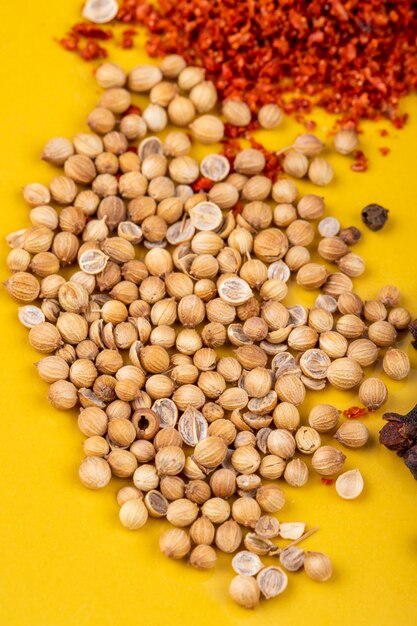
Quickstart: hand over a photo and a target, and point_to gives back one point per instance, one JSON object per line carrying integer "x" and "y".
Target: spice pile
{"x": 165, "y": 275}
{"x": 355, "y": 59}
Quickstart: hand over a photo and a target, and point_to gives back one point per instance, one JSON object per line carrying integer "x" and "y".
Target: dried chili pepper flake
{"x": 399, "y": 121}
{"x": 383, "y": 132}
{"x": 133, "y": 110}
{"x": 230, "y": 149}
{"x": 354, "y": 59}
{"x": 310, "y": 125}
{"x": 272, "y": 159}
{"x": 91, "y": 31}
{"x": 127, "y": 42}
{"x": 354, "y": 412}
{"x": 327, "y": 481}
{"x": 360, "y": 163}
{"x": 232, "y": 132}
{"x": 69, "y": 43}
{"x": 202, "y": 184}
{"x": 92, "y": 51}
{"x": 237, "y": 209}
{"x": 384, "y": 150}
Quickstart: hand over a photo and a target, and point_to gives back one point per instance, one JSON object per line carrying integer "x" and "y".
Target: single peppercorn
{"x": 374, "y": 216}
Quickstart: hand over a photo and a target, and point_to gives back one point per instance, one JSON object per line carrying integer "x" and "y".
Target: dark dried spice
{"x": 400, "y": 436}
{"x": 350, "y": 235}
{"x": 391, "y": 437}
{"x": 374, "y": 216}
{"x": 384, "y": 150}
{"x": 413, "y": 330}
{"x": 410, "y": 459}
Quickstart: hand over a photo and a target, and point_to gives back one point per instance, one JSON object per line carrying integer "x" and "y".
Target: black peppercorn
{"x": 374, "y": 216}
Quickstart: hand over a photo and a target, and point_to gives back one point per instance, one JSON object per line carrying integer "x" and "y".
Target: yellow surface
{"x": 65, "y": 559}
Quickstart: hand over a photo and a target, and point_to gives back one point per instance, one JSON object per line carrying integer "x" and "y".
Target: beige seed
{"x": 349, "y": 485}
{"x": 373, "y": 393}
{"x": 175, "y": 543}
{"x": 323, "y": 417}
{"x": 353, "y": 434}
{"x": 203, "y": 557}
{"x": 244, "y": 590}
{"x": 133, "y": 514}
{"x": 296, "y": 473}
{"x": 318, "y": 566}
{"x": 94, "y": 472}
{"x": 344, "y": 373}
{"x": 327, "y": 461}
{"x": 396, "y": 364}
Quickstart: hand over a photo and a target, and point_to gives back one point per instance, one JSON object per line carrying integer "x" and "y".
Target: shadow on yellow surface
{"x": 66, "y": 561}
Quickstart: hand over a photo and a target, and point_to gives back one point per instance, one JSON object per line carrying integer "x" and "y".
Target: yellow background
{"x": 65, "y": 559}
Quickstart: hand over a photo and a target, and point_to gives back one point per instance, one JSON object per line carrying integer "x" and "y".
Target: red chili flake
{"x": 360, "y": 163}
{"x": 310, "y": 124}
{"x": 356, "y": 59}
{"x": 230, "y": 149}
{"x": 400, "y": 120}
{"x": 237, "y": 209}
{"x": 384, "y": 150}
{"x": 92, "y": 51}
{"x": 69, "y": 43}
{"x": 133, "y": 110}
{"x": 383, "y": 132}
{"x": 354, "y": 412}
{"x": 126, "y": 43}
{"x": 327, "y": 481}
{"x": 91, "y": 31}
{"x": 202, "y": 184}
{"x": 232, "y": 132}
{"x": 272, "y": 160}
